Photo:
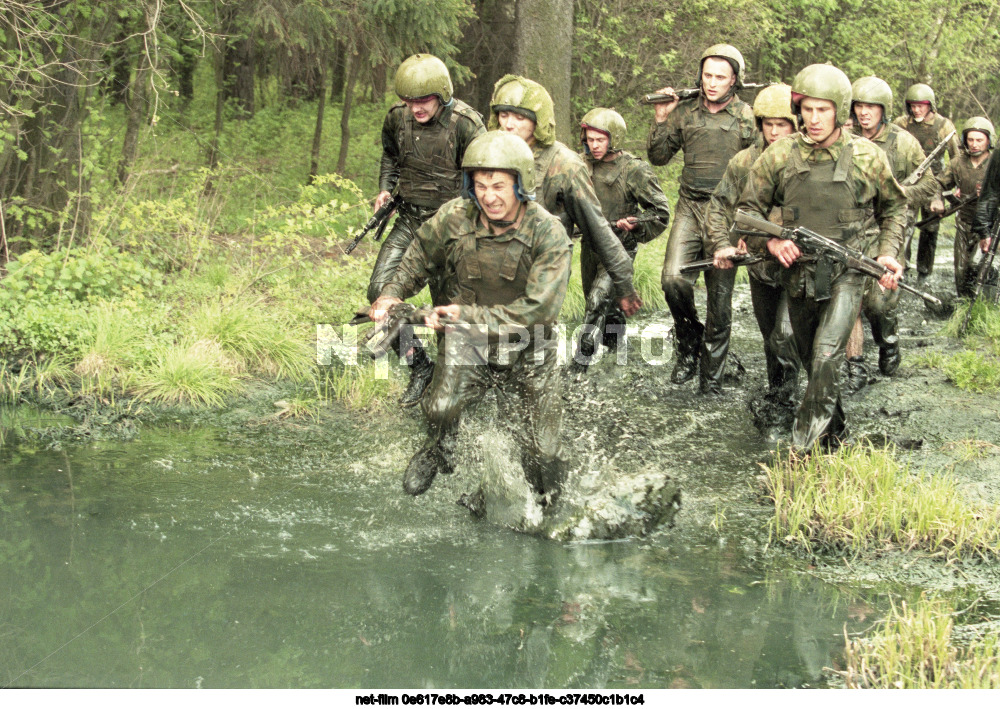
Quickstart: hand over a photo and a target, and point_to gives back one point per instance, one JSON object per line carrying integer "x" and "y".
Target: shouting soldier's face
{"x": 423, "y": 109}
{"x": 869, "y": 115}
{"x": 521, "y": 126}
{"x": 717, "y": 78}
{"x": 597, "y": 142}
{"x": 819, "y": 118}
{"x": 495, "y": 193}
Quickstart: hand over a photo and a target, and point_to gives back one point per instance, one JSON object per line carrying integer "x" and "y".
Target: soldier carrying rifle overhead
{"x": 424, "y": 138}
{"x": 710, "y": 131}
{"x": 829, "y": 181}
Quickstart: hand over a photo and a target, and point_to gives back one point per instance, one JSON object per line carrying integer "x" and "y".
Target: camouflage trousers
{"x": 527, "y": 396}
{"x": 966, "y": 245}
{"x": 685, "y": 244}
{"x": 821, "y": 330}
{"x": 770, "y": 308}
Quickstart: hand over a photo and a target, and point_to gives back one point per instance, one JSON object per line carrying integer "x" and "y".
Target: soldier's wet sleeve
{"x": 953, "y": 148}
{"x": 584, "y": 210}
{"x": 989, "y": 198}
{"x": 722, "y": 206}
{"x": 645, "y": 188}
{"x": 422, "y": 257}
{"x": 890, "y": 208}
{"x": 389, "y": 167}
{"x": 946, "y": 180}
{"x": 467, "y": 131}
{"x": 761, "y": 193}
{"x": 543, "y": 293}
{"x": 664, "y": 139}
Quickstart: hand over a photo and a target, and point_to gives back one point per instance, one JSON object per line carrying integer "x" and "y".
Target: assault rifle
{"x": 379, "y": 219}
{"x": 387, "y": 331}
{"x": 628, "y": 237}
{"x": 914, "y": 177}
{"x": 946, "y": 213}
{"x": 985, "y": 270}
{"x": 708, "y": 264}
{"x": 686, "y": 94}
{"x": 811, "y": 242}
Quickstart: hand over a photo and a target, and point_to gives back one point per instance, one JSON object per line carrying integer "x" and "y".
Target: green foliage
{"x": 862, "y": 498}
{"x": 974, "y": 371}
{"x": 915, "y": 648}
{"x": 195, "y": 373}
{"x": 78, "y": 275}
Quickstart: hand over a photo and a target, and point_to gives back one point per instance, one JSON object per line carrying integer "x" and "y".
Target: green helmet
{"x": 500, "y": 150}
{"x": 823, "y": 81}
{"x": 731, "y": 54}
{"x": 423, "y": 75}
{"x": 774, "y": 102}
{"x": 918, "y": 93}
{"x": 871, "y": 89}
{"x": 606, "y": 121}
{"x": 528, "y": 98}
{"x": 982, "y": 125}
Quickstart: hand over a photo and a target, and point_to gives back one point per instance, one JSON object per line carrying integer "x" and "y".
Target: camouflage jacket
{"x": 518, "y": 278}
{"x": 564, "y": 188}
{"x": 929, "y": 133}
{"x": 722, "y": 208}
{"x": 905, "y": 156}
{"x": 989, "y": 198}
{"x": 867, "y": 176}
{"x": 709, "y": 141}
{"x": 425, "y": 159}
{"x": 968, "y": 178}
{"x": 626, "y": 186}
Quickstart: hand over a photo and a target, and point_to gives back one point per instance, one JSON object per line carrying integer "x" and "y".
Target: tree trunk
{"x": 345, "y": 117}
{"x": 380, "y": 82}
{"x": 220, "y": 105}
{"x": 136, "y": 110}
{"x": 339, "y": 72}
{"x": 324, "y": 64}
{"x": 544, "y": 52}
{"x": 485, "y": 49}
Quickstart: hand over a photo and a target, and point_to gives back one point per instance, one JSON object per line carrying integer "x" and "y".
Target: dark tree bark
{"x": 544, "y": 52}
{"x": 136, "y": 104}
{"x": 345, "y": 117}
{"x": 324, "y": 64}
{"x": 486, "y": 48}
{"x": 339, "y": 74}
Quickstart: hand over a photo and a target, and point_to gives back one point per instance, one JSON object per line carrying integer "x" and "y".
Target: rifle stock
{"x": 946, "y": 213}
{"x": 687, "y": 94}
{"x": 915, "y": 176}
{"x": 708, "y": 264}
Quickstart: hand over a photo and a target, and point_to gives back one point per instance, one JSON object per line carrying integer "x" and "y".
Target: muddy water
{"x": 259, "y": 554}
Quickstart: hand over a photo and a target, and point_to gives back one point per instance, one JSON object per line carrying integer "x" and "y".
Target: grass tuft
{"x": 365, "y": 387}
{"x": 914, "y": 649}
{"x": 862, "y": 498}
{"x": 197, "y": 373}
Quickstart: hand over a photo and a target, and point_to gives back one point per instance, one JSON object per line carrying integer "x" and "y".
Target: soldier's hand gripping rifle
{"x": 686, "y": 94}
{"x": 810, "y": 242}
{"x": 628, "y": 238}
{"x": 985, "y": 269}
{"x": 946, "y": 213}
{"x": 709, "y": 263}
{"x": 914, "y": 177}
{"x": 382, "y": 338}
{"x": 379, "y": 219}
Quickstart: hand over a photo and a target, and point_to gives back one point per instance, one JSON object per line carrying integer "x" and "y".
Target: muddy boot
{"x": 421, "y": 372}
{"x": 423, "y": 468}
{"x": 889, "y": 359}
{"x": 614, "y": 330}
{"x": 857, "y": 375}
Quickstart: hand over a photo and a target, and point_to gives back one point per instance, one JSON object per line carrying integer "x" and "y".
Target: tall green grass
{"x": 914, "y": 648}
{"x": 862, "y": 498}
{"x": 197, "y": 373}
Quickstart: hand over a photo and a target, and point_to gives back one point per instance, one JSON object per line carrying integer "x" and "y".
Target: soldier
{"x": 871, "y": 109}
{"x": 989, "y": 198}
{"x": 965, "y": 174}
{"x": 773, "y": 111}
{"x": 504, "y": 262}
{"x": 423, "y": 140}
{"x": 710, "y": 130}
{"x": 523, "y": 107}
{"x": 929, "y": 128}
{"x": 625, "y": 186}
{"x": 827, "y": 180}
